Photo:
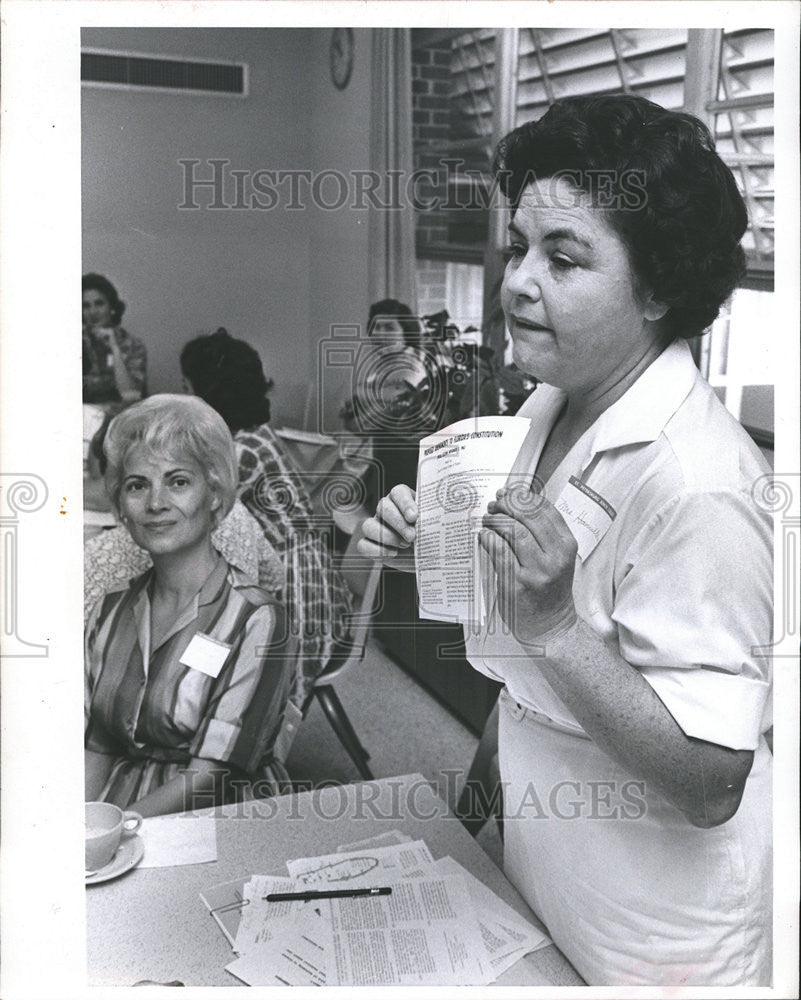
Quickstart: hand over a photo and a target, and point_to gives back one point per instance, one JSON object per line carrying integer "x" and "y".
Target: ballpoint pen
{"x": 310, "y": 894}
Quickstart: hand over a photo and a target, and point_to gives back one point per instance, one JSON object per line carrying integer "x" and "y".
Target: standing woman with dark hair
{"x": 631, "y": 605}
{"x": 114, "y": 361}
{"x": 228, "y": 375}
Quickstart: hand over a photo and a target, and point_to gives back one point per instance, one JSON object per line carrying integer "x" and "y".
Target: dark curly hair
{"x": 97, "y": 283}
{"x": 228, "y": 375}
{"x": 671, "y": 198}
{"x": 409, "y": 323}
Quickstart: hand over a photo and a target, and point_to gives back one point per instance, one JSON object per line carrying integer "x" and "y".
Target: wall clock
{"x": 341, "y": 56}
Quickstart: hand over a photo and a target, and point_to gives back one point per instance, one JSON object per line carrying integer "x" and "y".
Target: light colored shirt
{"x": 681, "y": 582}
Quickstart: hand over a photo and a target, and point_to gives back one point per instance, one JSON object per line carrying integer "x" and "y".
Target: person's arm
{"x": 135, "y": 360}
{"x": 99, "y": 385}
{"x": 97, "y": 767}
{"x": 390, "y": 533}
{"x": 244, "y": 710}
{"x": 125, "y": 384}
{"x": 196, "y": 787}
{"x": 620, "y": 710}
{"x": 534, "y": 557}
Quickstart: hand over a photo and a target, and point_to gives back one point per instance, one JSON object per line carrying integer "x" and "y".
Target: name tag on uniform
{"x": 205, "y": 654}
{"x": 586, "y": 513}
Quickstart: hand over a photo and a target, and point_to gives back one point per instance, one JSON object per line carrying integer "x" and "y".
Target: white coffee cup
{"x": 106, "y": 824}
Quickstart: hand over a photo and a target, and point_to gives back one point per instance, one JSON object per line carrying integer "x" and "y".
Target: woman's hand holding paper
{"x": 534, "y": 556}
{"x": 392, "y": 528}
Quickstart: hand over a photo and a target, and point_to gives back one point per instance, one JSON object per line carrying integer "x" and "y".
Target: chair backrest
{"x": 352, "y": 651}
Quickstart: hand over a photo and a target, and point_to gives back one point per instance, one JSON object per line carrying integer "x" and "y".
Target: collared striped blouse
{"x": 153, "y": 712}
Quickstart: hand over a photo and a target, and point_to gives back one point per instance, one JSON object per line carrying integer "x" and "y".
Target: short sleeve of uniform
{"x": 249, "y": 694}
{"x": 693, "y": 606}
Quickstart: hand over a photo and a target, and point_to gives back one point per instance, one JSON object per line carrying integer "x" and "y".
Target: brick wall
{"x": 436, "y": 119}
{"x": 430, "y": 123}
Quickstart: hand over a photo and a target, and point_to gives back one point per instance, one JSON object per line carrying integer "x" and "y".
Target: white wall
{"x": 339, "y": 252}
{"x": 275, "y": 278}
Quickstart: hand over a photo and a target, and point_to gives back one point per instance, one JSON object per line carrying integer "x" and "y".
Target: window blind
{"x": 561, "y": 62}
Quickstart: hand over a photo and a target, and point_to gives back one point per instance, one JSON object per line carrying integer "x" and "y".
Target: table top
{"x": 151, "y": 923}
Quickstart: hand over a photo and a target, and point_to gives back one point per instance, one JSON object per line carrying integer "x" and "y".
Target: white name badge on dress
{"x": 586, "y": 513}
{"x": 205, "y": 654}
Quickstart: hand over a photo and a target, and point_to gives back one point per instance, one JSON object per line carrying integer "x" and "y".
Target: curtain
{"x": 391, "y": 230}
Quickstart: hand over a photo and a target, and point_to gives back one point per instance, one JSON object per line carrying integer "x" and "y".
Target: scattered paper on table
{"x": 507, "y": 936}
{"x": 488, "y": 902}
{"x": 440, "y": 925}
{"x": 260, "y": 921}
{"x": 424, "y": 934}
{"x": 225, "y": 902}
{"x": 360, "y": 868}
{"x": 178, "y": 840}
{"x": 294, "y": 958}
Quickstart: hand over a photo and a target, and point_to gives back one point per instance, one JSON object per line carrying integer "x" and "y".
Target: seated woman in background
{"x": 114, "y": 361}
{"x": 228, "y": 375}
{"x": 189, "y": 668}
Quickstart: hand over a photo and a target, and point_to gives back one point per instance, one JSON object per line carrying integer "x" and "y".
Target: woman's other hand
{"x": 392, "y": 529}
{"x": 534, "y": 556}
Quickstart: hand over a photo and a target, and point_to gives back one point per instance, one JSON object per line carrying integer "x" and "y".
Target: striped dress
{"x": 152, "y": 713}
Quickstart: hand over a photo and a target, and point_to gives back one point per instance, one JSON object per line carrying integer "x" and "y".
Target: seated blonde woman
{"x": 189, "y": 667}
{"x": 111, "y": 558}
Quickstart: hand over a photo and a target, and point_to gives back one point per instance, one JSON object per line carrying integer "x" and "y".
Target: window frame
{"x": 701, "y": 83}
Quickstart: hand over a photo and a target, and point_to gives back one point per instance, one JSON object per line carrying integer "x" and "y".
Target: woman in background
{"x": 188, "y": 669}
{"x": 390, "y": 369}
{"x": 114, "y": 361}
{"x": 400, "y": 395}
{"x": 227, "y": 373}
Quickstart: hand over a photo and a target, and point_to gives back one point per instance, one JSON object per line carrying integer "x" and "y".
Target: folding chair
{"x": 272, "y": 777}
{"x": 347, "y": 656}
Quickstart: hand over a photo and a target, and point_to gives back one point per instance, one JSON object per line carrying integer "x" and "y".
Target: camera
{"x": 394, "y": 385}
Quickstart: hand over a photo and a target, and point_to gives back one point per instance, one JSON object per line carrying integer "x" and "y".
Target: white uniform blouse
{"x": 681, "y": 582}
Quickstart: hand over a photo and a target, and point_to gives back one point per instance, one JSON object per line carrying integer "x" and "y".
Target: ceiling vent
{"x": 136, "y": 71}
